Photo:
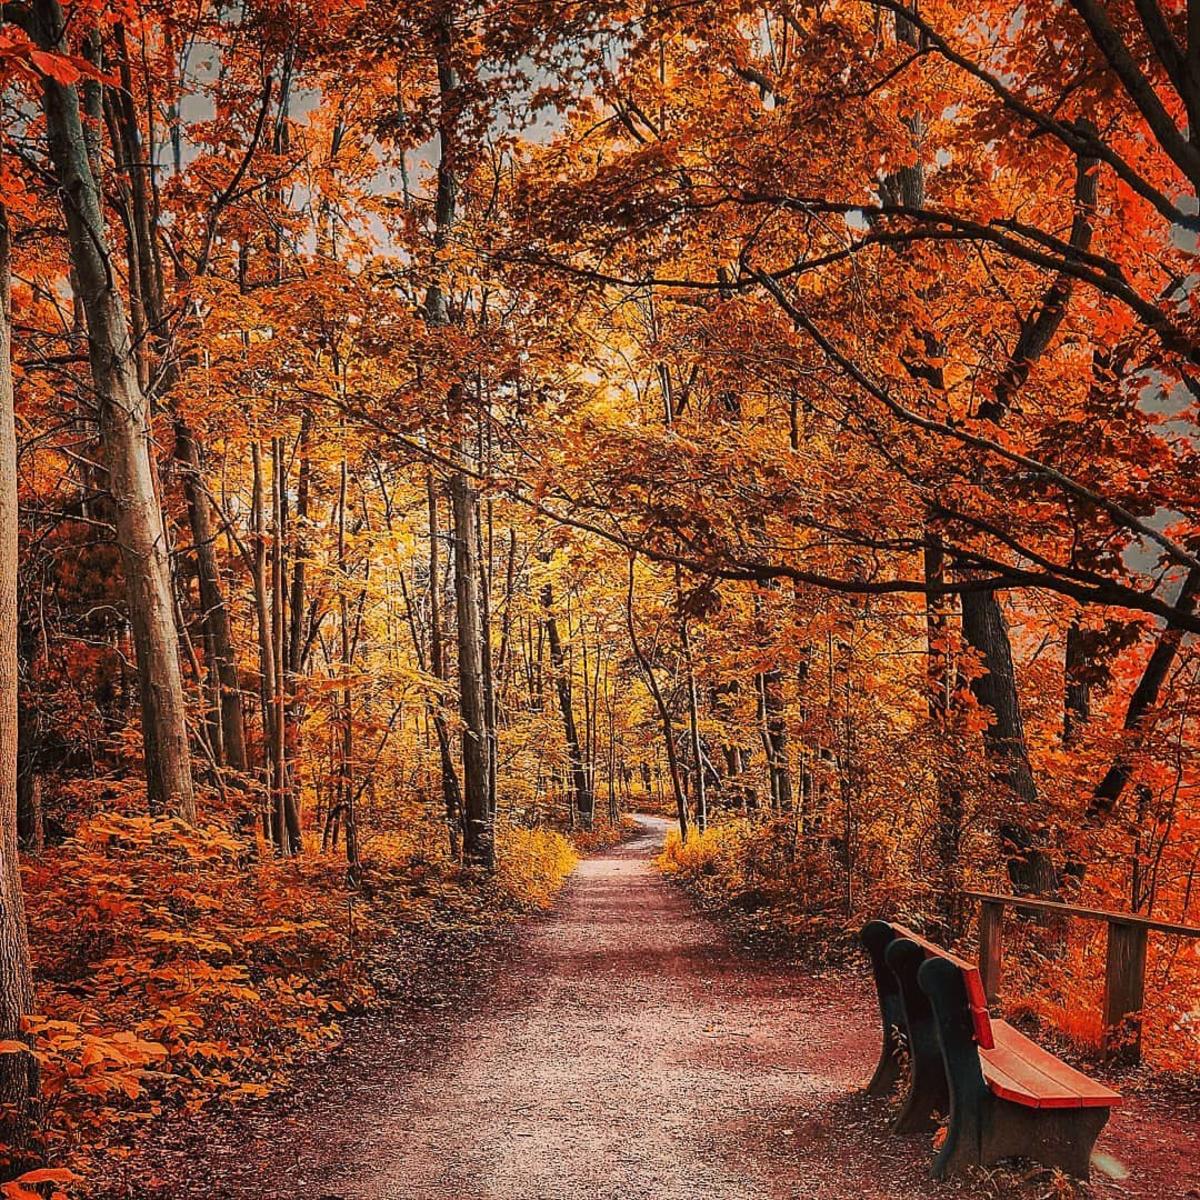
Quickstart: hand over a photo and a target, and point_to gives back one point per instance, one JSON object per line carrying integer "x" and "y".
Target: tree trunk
{"x": 699, "y": 790}
{"x": 294, "y": 649}
{"x": 31, "y": 829}
{"x": 484, "y": 584}
{"x": 908, "y": 186}
{"x": 1077, "y": 698}
{"x": 18, "y": 1072}
{"x": 272, "y": 765}
{"x": 478, "y": 834}
{"x": 298, "y": 602}
{"x": 126, "y": 435}
{"x": 478, "y": 838}
{"x": 218, "y": 634}
{"x": 664, "y": 713}
{"x": 1144, "y": 699}
{"x": 1029, "y": 866}
{"x": 775, "y": 737}
{"x": 451, "y": 792}
{"x": 147, "y": 294}
{"x": 613, "y": 803}
{"x": 346, "y": 780}
{"x": 278, "y": 732}
{"x": 503, "y": 655}
{"x": 30, "y": 824}
{"x": 581, "y": 793}
{"x": 287, "y": 813}
{"x": 939, "y": 681}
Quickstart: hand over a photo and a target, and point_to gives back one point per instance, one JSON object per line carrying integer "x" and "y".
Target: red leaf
{"x": 56, "y": 66}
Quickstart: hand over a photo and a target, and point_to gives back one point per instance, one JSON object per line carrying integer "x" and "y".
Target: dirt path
{"x": 625, "y": 1050}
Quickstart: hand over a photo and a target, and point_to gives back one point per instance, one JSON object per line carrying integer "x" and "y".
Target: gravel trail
{"x": 625, "y": 1050}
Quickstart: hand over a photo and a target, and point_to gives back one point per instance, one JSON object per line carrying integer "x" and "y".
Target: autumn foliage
{"x": 441, "y": 428}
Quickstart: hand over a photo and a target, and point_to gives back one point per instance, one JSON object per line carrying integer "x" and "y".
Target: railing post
{"x": 991, "y": 949}
{"x": 1124, "y": 992}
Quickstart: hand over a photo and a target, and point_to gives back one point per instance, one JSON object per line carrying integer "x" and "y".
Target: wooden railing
{"x": 1125, "y": 964}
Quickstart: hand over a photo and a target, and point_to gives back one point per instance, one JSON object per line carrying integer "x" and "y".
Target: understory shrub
{"x": 186, "y": 968}
{"x": 532, "y": 864}
{"x": 775, "y": 882}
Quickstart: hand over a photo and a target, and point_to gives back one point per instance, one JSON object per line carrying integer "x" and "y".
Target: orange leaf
{"x": 18, "y": 1189}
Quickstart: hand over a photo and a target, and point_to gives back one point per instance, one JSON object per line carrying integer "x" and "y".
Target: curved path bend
{"x": 625, "y": 1050}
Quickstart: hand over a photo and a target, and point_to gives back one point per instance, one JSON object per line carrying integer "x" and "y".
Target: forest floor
{"x": 622, "y": 1047}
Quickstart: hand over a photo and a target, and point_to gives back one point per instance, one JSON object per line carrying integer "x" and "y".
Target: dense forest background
{"x": 430, "y": 431}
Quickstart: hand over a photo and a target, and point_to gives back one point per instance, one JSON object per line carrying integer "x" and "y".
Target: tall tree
{"x": 478, "y": 840}
{"x": 18, "y": 1071}
{"x": 126, "y": 434}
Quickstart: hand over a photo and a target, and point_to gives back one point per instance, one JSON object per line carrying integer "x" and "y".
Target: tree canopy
{"x": 437, "y": 425}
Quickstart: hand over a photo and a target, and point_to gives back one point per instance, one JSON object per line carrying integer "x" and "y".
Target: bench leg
{"x": 875, "y": 937}
{"x": 963, "y": 1145}
{"x": 887, "y": 1071}
{"x": 927, "y": 1089}
{"x": 984, "y": 1133}
{"x": 1054, "y": 1137}
{"x": 926, "y": 1098}
{"x": 970, "y": 1101}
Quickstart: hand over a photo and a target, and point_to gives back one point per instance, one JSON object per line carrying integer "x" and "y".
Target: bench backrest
{"x": 981, "y": 1021}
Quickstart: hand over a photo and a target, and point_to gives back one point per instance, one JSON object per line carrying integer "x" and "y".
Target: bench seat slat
{"x": 1000, "y": 1082}
{"x": 1020, "y": 1070}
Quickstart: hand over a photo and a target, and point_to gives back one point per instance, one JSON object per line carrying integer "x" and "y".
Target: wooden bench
{"x": 1005, "y": 1094}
